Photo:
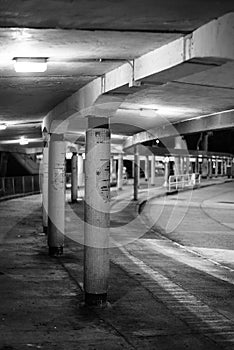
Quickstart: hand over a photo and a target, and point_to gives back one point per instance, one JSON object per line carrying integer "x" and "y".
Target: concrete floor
{"x": 169, "y": 288}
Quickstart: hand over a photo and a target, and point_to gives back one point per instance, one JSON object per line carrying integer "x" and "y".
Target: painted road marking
{"x": 199, "y": 316}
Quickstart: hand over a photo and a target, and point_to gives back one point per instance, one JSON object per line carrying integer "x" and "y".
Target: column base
{"x": 73, "y": 200}
{"x": 55, "y": 251}
{"x": 45, "y": 229}
{"x": 98, "y": 300}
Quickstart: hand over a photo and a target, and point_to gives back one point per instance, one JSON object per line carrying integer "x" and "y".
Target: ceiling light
{"x": 3, "y": 126}
{"x": 30, "y": 65}
{"x": 23, "y": 141}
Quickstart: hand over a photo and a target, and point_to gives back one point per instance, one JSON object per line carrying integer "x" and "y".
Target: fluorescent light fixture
{"x": 3, "y": 126}
{"x": 30, "y": 65}
{"x": 23, "y": 141}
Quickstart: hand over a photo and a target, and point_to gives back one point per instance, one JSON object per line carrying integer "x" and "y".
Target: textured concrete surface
{"x": 161, "y": 295}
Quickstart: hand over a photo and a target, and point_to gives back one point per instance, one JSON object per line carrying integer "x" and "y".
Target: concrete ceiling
{"x": 136, "y": 15}
{"x": 84, "y": 40}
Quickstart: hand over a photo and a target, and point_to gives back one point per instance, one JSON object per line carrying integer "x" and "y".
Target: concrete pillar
{"x": 80, "y": 170}
{"x": 197, "y": 165}
{"x": 45, "y": 187}
{"x": 112, "y": 168}
{"x": 146, "y": 168}
{"x": 133, "y": 167}
{"x": 216, "y": 167}
{"x": 115, "y": 169}
{"x": 120, "y": 172}
{"x": 56, "y": 199}
{"x": 152, "y": 178}
{"x": 97, "y": 211}
{"x": 180, "y": 143}
{"x": 136, "y": 173}
{"x": 187, "y": 165}
{"x": 177, "y": 169}
{"x": 204, "y": 144}
{"x": 221, "y": 167}
{"x": 139, "y": 172}
{"x": 74, "y": 177}
{"x": 166, "y": 171}
{"x": 210, "y": 167}
{"x": 225, "y": 167}
{"x": 182, "y": 164}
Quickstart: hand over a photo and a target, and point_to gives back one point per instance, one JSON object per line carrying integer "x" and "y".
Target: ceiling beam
{"x": 213, "y": 42}
{"x": 216, "y": 121}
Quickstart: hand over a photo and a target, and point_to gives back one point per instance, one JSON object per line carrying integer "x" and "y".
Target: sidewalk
{"x": 156, "y": 301}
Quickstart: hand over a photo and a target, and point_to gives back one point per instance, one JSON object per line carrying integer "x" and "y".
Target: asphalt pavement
{"x": 171, "y": 281}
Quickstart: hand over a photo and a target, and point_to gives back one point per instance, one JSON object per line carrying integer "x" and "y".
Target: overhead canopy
{"x": 144, "y": 64}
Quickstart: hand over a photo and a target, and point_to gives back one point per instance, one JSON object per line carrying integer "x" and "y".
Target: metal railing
{"x": 10, "y": 186}
{"x": 176, "y": 182}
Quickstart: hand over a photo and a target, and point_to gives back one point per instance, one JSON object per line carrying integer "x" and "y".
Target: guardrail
{"x": 11, "y": 186}
{"x": 176, "y": 182}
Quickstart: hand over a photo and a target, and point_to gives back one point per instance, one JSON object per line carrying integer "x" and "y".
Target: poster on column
{"x": 103, "y": 171}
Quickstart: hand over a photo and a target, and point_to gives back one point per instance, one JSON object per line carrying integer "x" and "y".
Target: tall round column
{"x": 166, "y": 171}
{"x": 97, "y": 211}
{"x": 112, "y": 169}
{"x": 210, "y": 167}
{"x": 80, "y": 170}
{"x": 45, "y": 187}
{"x": 179, "y": 164}
{"x": 136, "y": 173}
{"x": 120, "y": 172}
{"x": 196, "y": 164}
{"x": 205, "y": 168}
{"x": 216, "y": 167}
{"x": 222, "y": 167}
{"x": 147, "y": 168}
{"x": 56, "y": 199}
{"x": 152, "y": 177}
{"x": 74, "y": 177}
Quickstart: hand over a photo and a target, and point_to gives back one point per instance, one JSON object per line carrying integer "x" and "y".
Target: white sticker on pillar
{"x": 58, "y": 178}
{"x": 103, "y": 180}
{"x": 102, "y": 136}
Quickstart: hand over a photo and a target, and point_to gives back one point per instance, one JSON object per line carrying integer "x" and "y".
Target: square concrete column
{"x": 97, "y": 211}
{"x": 74, "y": 177}
{"x": 56, "y": 199}
{"x": 120, "y": 172}
{"x": 44, "y": 188}
{"x": 136, "y": 173}
{"x": 152, "y": 178}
